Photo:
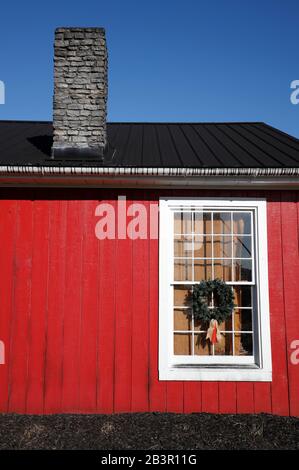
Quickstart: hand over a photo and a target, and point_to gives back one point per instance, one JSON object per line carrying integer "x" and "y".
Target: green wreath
{"x": 199, "y": 298}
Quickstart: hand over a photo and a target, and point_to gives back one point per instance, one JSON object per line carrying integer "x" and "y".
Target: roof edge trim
{"x": 9, "y": 170}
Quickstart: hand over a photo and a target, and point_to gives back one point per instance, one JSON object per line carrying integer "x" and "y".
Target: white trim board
{"x": 230, "y": 368}
{"x": 134, "y": 177}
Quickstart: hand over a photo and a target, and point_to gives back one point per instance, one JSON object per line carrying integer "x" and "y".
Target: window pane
{"x": 222, "y": 222}
{"x": 202, "y": 269}
{"x": 242, "y": 270}
{"x": 179, "y": 296}
{"x": 222, "y": 246}
{"x": 202, "y": 247}
{"x": 199, "y": 326}
{"x": 225, "y": 346}
{"x": 182, "y": 344}
{"x": 223, "y": 269}
{"x": 183, "y": 222}
{"x": 227, "y": 325}
{"x": 200, "y": 256}
{"x": 242, "y": 223}
{"x": 182, "y": 246}
{"x": 202, "y": 223}
{"x": 182, "y": 269}
{"x": 242, "y": 247}
{"x": 202, "y": 346}
{"x": 181, "y": 320}
{"x": 243, "y": 344}
{"x": 242, "y": 296}
{"x": 243, "y": 320}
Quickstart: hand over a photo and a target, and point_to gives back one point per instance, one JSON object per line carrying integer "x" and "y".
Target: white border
{"x": 170, "y": 367}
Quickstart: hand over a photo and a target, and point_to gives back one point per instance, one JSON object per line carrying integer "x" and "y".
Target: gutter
{"x": 18, "y": 175}
{"x": 143, "y": 171}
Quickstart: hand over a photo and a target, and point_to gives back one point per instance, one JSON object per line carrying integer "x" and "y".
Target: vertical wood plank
{"x": 73, "y": 307}
{"x": 123, "y": 333}
{"x": 157, "y": 388}
{"x": 19, "y": 354}
{"x": 140, "y": 321}
{"x": 262, "y": 390}
{"x": 290, "y": 258}
{"x": 108, "y": 266}
{"x": 89, "y": 307}
{"x": 227, "y": 397}
{"x": 210, "y": 397}
{"x": 37, "y": 330}
{"x": 279, "y": 386}
{"x": 262, "y": 397}
{"x": 192, "y": 397}
{"x": 7, "y": 250}
{"x": 245, "y": 397}
{"x": 175, "y": 397}
{"x": 175, "y": 389}
{"x": 54, "y": 350}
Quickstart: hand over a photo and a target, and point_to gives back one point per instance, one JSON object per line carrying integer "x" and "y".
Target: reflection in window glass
{"x": 242, "y": 223}
{"x": 223, "y": 269}
{"x": 225, "y": 345}
{"x": 222, "y": 246}
{"x": 180, "y": 293}
{"x": 242, "y": 247}
{"x": 183, "y": 269}
{"x": 222, "y": 222}
{"x": 183, "y": 222}
{"x": 227, "y": 325}
{"x": 243, "y": 319}
{"x": 243, "y": 344}
{"x": 182, "y": 344}
{"x": 181, "y": 320}
{"x": 202, "y": 223}
{"x": 202, "y": 246}
{"x": 183, "y": 246}
{"x": 202, "y": 346}
{"x": 202, "y": 269}
{"x": 242, "y": 270}
{"x": 242, "y": 297}
{"x": 210, "y": 245}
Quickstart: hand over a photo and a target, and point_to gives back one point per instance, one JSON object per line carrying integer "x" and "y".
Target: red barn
{"x": 107, "y": 228}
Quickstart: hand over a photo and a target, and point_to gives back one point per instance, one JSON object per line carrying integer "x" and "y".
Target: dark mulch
{"x": 149, "y": 431}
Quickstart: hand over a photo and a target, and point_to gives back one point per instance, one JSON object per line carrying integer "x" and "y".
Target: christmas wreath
{"x": 200, "y": 297}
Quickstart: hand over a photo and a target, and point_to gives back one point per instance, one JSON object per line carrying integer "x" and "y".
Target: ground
{"x": 149, "y": 431}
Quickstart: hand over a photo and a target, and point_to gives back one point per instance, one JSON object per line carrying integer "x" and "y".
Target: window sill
{"x": 221, "y": 373}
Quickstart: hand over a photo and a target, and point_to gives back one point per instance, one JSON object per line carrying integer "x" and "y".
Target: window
{"x": 207, "y": 239}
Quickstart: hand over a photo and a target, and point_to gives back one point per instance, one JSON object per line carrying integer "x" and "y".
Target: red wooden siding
{"x": 79, "y": 316}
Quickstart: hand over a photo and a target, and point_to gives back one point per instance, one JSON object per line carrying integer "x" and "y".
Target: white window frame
{"x": 214, "y": 368}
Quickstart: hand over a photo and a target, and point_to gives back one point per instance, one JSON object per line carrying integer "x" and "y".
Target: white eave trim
{"x": 142, "y": 176}
{"x": 146, "y": 171}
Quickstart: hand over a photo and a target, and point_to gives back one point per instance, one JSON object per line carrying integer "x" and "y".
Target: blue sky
{"x": 169, "y": 60}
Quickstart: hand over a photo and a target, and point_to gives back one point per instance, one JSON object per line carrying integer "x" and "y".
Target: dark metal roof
{"x": 161, "y": 145}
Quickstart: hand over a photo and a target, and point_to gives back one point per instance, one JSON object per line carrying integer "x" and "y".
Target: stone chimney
{"x": 80, "y": 93}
